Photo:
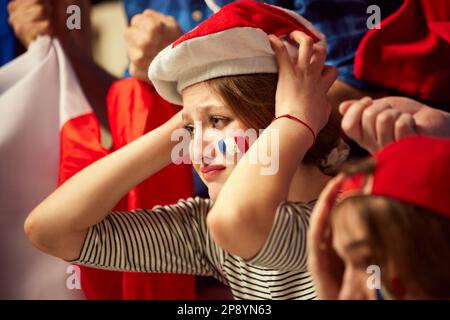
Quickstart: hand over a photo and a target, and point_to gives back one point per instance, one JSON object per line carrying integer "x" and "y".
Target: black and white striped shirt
{"x": 175, "y": 239}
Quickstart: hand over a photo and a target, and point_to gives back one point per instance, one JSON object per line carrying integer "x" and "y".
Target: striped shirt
{"x": 175, "y": 239}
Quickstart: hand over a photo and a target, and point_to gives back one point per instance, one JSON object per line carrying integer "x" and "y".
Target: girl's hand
{"x": 374, "y": 124}
{"x": 326, "y": 267}
{"x": 303, "y": 84}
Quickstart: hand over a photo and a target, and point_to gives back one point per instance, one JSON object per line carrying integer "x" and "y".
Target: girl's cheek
{"x": 192, "y": 155}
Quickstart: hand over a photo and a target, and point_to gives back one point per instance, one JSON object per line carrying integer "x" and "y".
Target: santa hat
{"x": 414, "y": 170}
{"x": 233, "y": 41}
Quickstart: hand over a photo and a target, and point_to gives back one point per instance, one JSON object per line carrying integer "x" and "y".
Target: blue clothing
{"x": 7, "y": 38}
{"x": 181, "y": 10}
{"x": 344, "y": 23}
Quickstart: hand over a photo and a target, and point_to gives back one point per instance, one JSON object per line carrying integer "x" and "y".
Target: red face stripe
{"x": 241, "y": 143}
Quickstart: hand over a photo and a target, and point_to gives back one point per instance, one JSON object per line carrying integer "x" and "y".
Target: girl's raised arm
{"x": 59, "y": 224}
{"x": 242, "y": 217}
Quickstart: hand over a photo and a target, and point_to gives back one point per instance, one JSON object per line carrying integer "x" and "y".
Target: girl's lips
{"x": 211, "y": 168}
{"x": 209, "y": 172}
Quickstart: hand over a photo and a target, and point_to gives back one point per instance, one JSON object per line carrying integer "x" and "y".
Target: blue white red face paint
{"x": 233, "y": 146}
{"x": 398, "y": 290}
{"x": 229, "y": 147}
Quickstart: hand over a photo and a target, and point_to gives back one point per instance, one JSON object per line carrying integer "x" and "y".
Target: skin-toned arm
{"x": 242, "y": 217}
{"x": 59, "y": 224}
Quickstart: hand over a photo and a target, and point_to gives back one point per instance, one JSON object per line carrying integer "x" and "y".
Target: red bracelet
{"x": 299, "y": 121}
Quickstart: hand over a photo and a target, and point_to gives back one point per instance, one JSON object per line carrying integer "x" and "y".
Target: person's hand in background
{"x": 30, "y": 19}
{"x": 375, "y": 123}
{"x": 149, "y": 33}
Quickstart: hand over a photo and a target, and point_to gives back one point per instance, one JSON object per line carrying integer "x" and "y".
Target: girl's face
{"x": 363, "y": 278}
{"x": 350, "y": 241}
{"x": 207, "y": 119}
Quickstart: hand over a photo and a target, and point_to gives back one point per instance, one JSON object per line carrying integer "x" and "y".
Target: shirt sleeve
{"x": 167, "y": 239}
{"x": 286, "y": 247}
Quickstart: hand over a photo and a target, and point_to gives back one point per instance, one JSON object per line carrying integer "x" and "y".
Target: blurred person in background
{"x": 380, "y": 227}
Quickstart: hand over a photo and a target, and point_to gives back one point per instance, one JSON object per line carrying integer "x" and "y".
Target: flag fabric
{"x": 37, "y": 90}
{"x": 48, "y": 133}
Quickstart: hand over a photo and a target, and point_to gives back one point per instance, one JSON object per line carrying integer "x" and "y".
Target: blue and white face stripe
{"x": 230, "y": 146}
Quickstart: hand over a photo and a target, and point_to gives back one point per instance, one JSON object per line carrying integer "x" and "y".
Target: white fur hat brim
{"x": 235, "y": 51}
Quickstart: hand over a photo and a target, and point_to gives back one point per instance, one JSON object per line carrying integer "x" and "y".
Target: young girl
{"x": 391, "y": 228}
{"x": 254, "y": 236}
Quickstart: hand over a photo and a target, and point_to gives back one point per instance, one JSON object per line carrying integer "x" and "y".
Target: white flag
{"x": 39, "y": 93}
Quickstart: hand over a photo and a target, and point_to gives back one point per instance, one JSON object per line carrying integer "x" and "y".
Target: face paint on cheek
{"x": 232, "y": 146}
{"x": 398, "y": 291}
{"x": 398, "y": 287}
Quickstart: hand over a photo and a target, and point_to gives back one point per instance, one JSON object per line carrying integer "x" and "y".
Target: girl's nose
{"x": 203, "y": 147}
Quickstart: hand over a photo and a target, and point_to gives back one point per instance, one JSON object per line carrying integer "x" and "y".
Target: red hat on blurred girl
{"x": 414, "y": 170}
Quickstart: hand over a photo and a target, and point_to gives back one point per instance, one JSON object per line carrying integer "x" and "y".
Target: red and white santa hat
{"x": 233, "y": 41}
{"x": 413, "y": 170}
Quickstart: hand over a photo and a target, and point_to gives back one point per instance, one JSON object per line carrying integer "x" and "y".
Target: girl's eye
{"x": 190, "y": 128}
{"x": 364, "y": 262}
{"x": 218, "y": 122}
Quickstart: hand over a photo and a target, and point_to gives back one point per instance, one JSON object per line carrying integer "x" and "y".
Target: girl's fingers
{"x": 151, "y": 13}
{"x": 329, "y": 193}
{"x": 320, "y": 215}
{"x": 282, "y": 55}
{"x": 404, "y": 126}
{"x": 28, "y": 15}
{"x": 305, "y": 49}
{"x": 369, "y": 119}
{"x": 367, "y": 100}
{"x": 15, "y": 5}
{"x": 43, "y": 27}
{"x": 344, "y": 106}
{"x": 137, "y": 38}
{"x": 351, "y": 121}
{"x": 329, "y": 76}
{"x": 385, "y": 126}
{"x": 318, "y": 58}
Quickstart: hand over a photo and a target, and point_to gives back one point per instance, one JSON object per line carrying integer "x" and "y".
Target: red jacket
{"x": 134, "y": 108}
